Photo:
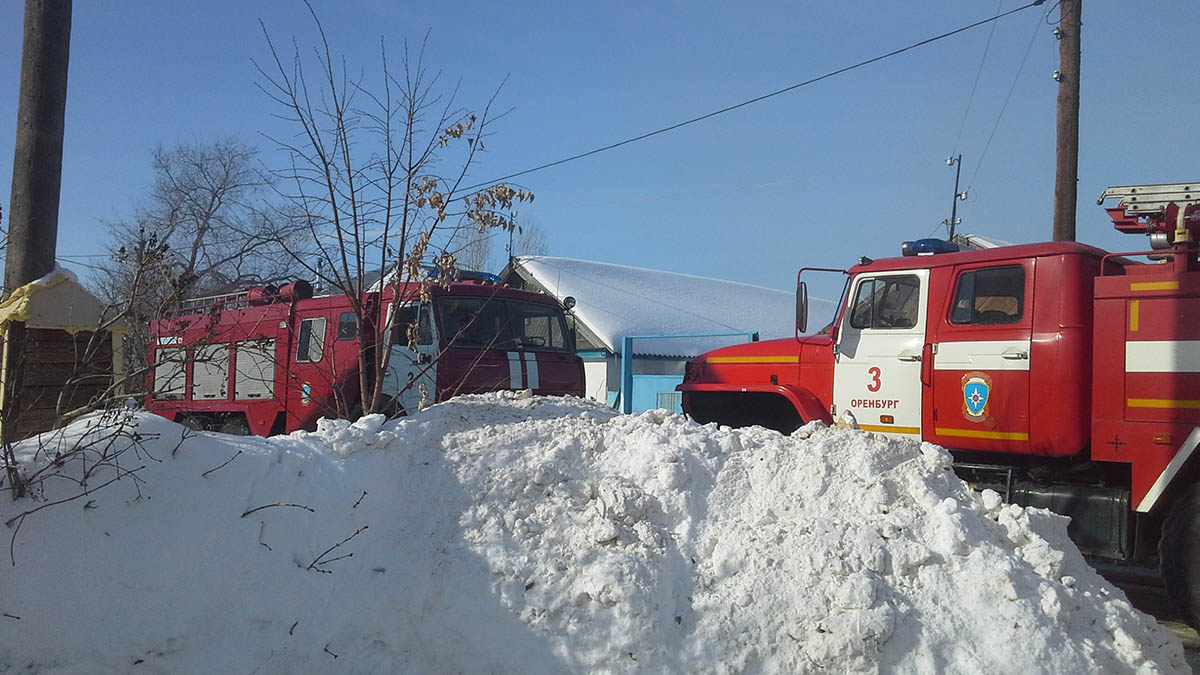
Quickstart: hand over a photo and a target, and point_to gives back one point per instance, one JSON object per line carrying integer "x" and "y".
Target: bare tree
{"x": 377, "y": 175}
{"x": 530, "y": 239}
{"x": 211, "y": 222}
{"x": 210, "y": 206}
{"x": 472, "y": 248}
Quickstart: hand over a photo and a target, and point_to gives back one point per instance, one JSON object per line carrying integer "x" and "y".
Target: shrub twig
{"x": 267, "y": 506}
{"x": 205, "y": 474}
{"x": 314, "y": 565}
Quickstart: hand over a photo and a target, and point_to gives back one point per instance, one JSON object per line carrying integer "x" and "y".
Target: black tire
{"x": 393, "y": 409}
{"x": 1179, "y": 554}
{"x": 194, "y": 422}
{"x": 235, "y": 425}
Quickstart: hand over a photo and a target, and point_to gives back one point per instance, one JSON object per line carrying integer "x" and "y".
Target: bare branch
{"x": 314, "y": 565}
{"x": 235, "y": 456}
{"x": 267, "y": 506}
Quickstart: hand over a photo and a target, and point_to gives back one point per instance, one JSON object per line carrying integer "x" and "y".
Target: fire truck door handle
{"x": 424, "y": 358}
{"x": 1015, "y": 354}
{"x": 909, "y": 357}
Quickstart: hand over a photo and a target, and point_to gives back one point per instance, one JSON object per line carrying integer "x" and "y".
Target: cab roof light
{"x": 928, "y": 247}
{"x": 464, "y": 275}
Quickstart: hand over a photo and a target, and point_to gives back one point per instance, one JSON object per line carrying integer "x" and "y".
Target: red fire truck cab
{"x": 268, "y": 361}
{"x": 1058, "y": 374}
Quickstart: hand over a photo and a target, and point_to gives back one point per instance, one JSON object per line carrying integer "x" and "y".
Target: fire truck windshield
{"x": 494, "y": 323}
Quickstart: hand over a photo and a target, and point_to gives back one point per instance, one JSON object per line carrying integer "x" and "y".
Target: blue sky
{"x": 818, "y": 176}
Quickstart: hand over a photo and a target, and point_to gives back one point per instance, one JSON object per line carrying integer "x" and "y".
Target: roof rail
{"x": 220, "y": 301}
{"x": 255, "y": 295}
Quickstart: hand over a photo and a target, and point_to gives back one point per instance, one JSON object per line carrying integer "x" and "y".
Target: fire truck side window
{"x": 864, "y": 302}
{"x": 310, "y": 343}
{"x": 539, "y": 327}
{"x": 475, "y": 322}
{"x": 405, "y": 317}
{"x": 347, "y": 326}
{"x": 886, "y": 302}
{"x": 990, "y": 296}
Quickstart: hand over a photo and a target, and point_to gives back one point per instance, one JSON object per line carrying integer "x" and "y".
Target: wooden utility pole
{"x": 1067, "y": 173}
{"x": 37, "y": 179}
{"x": 37, "y": 158}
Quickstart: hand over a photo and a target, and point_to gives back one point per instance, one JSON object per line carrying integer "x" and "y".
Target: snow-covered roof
{"x": 615, "y": 301}
{"x": 56, "y": 301}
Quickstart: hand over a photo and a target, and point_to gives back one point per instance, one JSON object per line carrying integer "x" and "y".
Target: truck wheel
{"x": 393, "y": 409}
{"x": 194, "y": 422}
{"x": 235, "y": 425}
{"x": 1179, "y": 554}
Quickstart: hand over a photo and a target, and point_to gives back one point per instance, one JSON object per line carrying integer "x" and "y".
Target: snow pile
{"x": 517, "y": 534}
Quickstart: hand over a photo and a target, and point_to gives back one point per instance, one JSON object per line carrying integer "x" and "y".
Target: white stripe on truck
{"x": 1162, "y": 356}
{"x": 531, "y": 370}
{"x": 514, "y": 371}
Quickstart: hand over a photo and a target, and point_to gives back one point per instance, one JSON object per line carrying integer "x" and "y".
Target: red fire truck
{"x": 1058, "y": 374}
{"x": 268, "y": 361}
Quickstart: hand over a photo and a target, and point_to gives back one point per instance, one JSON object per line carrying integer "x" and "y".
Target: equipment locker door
{"x": 877, "y": 372}
{"x": 308, "y": 367}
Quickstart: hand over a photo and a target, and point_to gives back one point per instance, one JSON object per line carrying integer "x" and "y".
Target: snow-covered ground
{"x": 507, "y": 533}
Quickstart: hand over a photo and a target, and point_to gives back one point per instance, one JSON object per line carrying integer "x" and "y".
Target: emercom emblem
{"x": 977, "y": 388}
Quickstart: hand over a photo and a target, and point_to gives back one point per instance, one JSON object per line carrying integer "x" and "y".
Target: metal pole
{"x": 1067, "y": 170}
{"x": 954, "y": 202}
{"x": 626, "y": 393}
{"x": 627, "y": 375}
{"x": 37, "y": 157}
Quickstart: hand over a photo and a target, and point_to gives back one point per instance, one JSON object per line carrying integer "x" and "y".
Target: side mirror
{"x": 802, "y": 307}
{"x": 569, "y": 304}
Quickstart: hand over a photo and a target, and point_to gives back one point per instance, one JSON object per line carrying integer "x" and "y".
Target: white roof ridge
{"x": 616, "y": 301}
{"x": 651, "y": 269}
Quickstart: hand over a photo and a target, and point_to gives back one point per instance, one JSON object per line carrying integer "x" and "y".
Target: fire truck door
{"x": 877, "y": 372}
{"x": 412, "y": 375}
{"x": 981, "y": 360}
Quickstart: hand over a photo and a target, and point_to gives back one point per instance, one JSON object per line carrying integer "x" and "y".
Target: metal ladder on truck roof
{"x": 1146, "y": 209}
{"x": 1146, "y": 200}
{"x": 234, "y": 300}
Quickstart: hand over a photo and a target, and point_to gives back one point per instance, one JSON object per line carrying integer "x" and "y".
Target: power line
{"x": 1036, "y": 28}
{"x": 643, "y": 199}
{"x": 755, "y": 99}
{"x": 983, "y": 59}
{"x": 71, "y": 260}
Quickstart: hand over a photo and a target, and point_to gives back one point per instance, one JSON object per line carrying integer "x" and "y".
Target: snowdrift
{"x": 507, "y": 533}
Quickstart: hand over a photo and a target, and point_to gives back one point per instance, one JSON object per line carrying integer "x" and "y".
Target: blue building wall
{"x": 646, "y": 390}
